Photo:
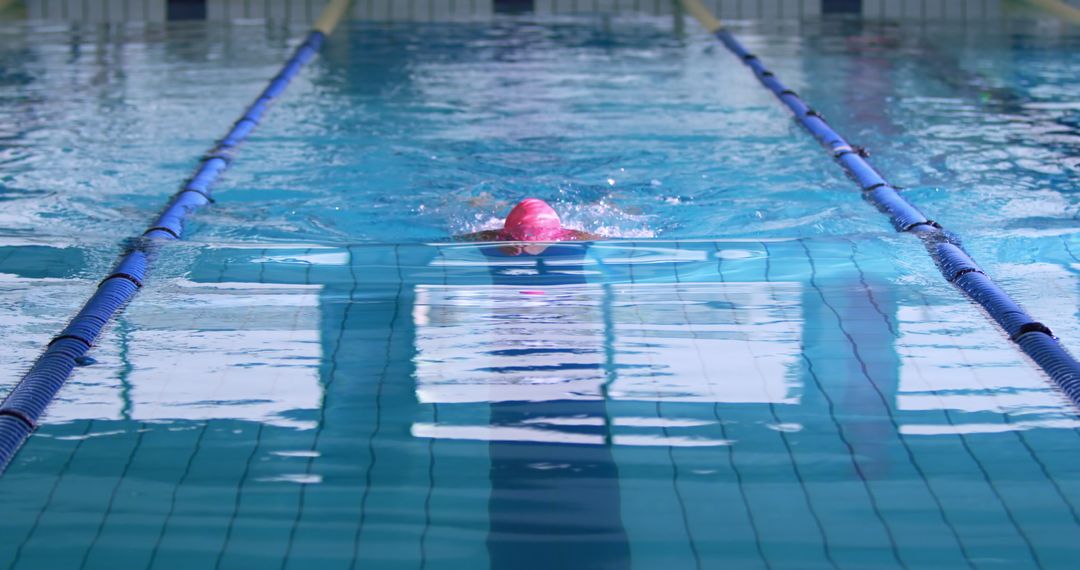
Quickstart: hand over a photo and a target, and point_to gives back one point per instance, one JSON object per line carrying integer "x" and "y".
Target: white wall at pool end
{"x": 96, "y": 11}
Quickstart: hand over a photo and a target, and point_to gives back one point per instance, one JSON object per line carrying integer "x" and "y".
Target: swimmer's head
{"x": 533, "y": 220}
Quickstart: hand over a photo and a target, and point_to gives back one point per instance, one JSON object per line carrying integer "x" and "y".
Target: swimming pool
{"x": 759, "y": 373}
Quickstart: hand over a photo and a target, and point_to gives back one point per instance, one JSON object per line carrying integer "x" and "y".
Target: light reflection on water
{"x": 485, "y": 406}
{"x": 676, "y": 322}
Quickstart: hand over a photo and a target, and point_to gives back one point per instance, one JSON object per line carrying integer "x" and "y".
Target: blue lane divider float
{"x": 1033, "y": 337}
{"x": 24, "y": 405}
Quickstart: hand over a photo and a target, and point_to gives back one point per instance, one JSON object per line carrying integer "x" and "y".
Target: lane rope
{"x": 24, "y": 405}
{"x": 1033, "y": 337}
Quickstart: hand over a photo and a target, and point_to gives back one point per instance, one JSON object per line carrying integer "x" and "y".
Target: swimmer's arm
{"x": 487, "y": 235}
{"x": 578, "y": 235}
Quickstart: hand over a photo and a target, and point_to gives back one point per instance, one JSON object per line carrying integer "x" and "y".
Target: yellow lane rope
{"x": 1058, "y": 8}
{"x": 331, "y": 15}
{"x": 703, "y": 14}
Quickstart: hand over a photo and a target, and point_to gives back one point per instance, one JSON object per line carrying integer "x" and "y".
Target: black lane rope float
{"x": 24, "y": 405}
{"x": 1034, "y": 338}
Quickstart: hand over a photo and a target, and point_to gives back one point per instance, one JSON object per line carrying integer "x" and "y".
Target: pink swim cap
{"x": 533, "y": 220}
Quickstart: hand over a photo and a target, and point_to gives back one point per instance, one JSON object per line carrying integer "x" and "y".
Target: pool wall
{"x": 305, "y": 11}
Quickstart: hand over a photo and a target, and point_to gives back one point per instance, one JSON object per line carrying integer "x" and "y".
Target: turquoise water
{"x": 756, "y": 373}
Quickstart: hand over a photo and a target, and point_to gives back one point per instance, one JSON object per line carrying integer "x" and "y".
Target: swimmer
{"x": 531, "y": 220}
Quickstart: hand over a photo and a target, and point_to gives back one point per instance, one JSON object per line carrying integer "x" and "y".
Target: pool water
{"x": 754, "y": 372}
